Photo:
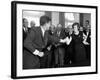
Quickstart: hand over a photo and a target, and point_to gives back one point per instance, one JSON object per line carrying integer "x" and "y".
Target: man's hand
{"x": 63, "y": 40}
{"x": 49, "y": 48}
{"x": 86, "y": 43}
{"x": 66, "y": 40}
{"x": 41, "y": 54}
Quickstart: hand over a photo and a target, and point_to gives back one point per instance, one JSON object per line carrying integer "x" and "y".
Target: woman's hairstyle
{"x": 44, "y": 19}
{"x": 76, "y": 24}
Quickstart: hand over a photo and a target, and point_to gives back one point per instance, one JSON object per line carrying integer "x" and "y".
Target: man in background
{"x": 60, "y": 47}
{"x": 32, "y": 24}
{"x": 25, "y": 28}
{"x": 51, "y": 59}
{"x": 87, "y": 38}
{"x": 87, "y": 24}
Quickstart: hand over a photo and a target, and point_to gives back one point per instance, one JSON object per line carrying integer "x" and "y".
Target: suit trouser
{"x": 59, "y": 55}
{"x": 30, "y": 61}
{"x": 45, "y": 61}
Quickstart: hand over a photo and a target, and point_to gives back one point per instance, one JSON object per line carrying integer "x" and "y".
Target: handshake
{"x": 66, "y": 40}
{"x": 38, "y": 53}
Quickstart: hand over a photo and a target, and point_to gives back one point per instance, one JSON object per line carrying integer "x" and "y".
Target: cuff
{"x": 36, "y": 52}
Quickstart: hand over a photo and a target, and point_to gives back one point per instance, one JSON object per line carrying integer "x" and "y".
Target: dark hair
{"x": 76, "y": 23}
{"x": 24, "y": 19}
{"x": 44, "y": 19}
{"x": 87, "y": 21}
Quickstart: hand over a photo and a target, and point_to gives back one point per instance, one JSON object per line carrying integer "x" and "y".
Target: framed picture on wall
{"x": 53, "y": 39}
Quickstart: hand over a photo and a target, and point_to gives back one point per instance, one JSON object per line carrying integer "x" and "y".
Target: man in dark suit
{"x": 50, "y": 60}
{"x": 88, "y": 40}
{"x": 60, "y": 47}
{"x": 32, "y": 24}
{"x": 36, "y": 45}
{"x": 25, "y": 28}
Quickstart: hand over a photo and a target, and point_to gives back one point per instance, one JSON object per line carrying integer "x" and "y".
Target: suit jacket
{"x": 88, "y": 36}
{"x": 33, "y": 41}
{"x": 60, "y": 35}
{"x": 25, "y": 34}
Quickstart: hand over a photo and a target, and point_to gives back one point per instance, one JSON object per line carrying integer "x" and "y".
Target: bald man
{"x": 32, "y": 24}
{"x": 60, "y": 48}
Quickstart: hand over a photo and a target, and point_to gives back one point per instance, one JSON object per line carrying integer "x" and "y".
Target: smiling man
{"x": 36, "y": 45}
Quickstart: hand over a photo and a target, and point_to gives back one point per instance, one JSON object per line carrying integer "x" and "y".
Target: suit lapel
{"x": 45, "y": 37}
{"x": 40, "y": 31}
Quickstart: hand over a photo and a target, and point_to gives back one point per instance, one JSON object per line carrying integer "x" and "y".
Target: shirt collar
{"x": 43, "y": 31}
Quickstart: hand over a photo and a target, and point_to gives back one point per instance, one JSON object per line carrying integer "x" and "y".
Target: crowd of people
{"x": 49, "y": 46}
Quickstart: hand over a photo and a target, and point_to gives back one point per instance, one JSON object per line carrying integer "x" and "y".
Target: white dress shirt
{"x": 43, "y": 31}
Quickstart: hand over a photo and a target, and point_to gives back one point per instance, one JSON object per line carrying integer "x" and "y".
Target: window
{"x": 70, "y": 18}
{"x": 33, "y": 16}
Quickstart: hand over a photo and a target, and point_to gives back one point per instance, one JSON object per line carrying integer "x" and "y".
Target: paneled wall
{"x": 84, "y": 17}
{"x": 55, "y": 18}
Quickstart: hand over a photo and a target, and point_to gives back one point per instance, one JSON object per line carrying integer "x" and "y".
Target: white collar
{"x": 43, "y": 31}
{"x": 25, "y": 29}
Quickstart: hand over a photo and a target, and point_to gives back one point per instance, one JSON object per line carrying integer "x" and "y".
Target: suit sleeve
{"x": 54, "y": 39}
{"x": 28, "y": 44}
{"x": 63, "y": 34}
